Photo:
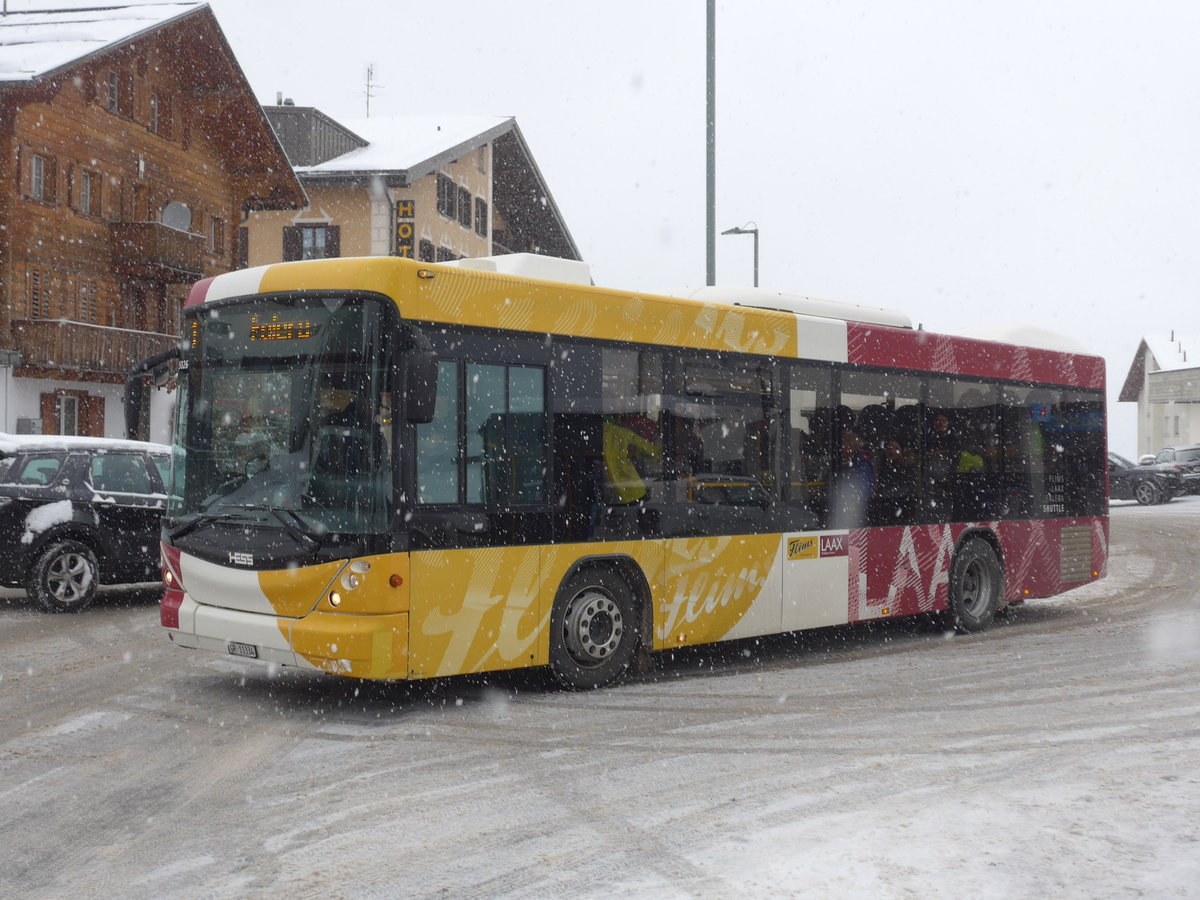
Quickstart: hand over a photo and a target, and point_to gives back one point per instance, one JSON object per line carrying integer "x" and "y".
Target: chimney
{"x": 279, "y": 98}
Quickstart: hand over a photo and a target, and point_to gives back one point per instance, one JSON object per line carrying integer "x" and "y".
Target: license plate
{"x": 239, "y": 649}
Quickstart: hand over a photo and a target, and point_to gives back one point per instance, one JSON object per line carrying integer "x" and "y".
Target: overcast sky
{"x": 967, "y": 163}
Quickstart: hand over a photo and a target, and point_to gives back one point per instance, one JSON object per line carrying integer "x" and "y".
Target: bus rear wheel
{"x": 593, "y": 630}
{"x": 976, "y": 586}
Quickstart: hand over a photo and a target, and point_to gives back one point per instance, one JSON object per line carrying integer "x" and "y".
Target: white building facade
{"x": 1164, "y": 381}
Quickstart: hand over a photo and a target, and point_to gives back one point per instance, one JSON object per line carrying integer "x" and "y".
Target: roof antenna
{"x": 371, "y": 86}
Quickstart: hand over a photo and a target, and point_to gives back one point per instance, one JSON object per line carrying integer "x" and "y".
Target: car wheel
{"x": 593, "y": 630}
{"x": 65, "y": 577}
{"x": 1147, "y": 493}
{"x": 976, "y": 586}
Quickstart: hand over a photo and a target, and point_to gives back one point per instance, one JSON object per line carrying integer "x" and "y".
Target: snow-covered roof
{"x": 1171, "y": 352}
{"x": 1174, "y": 351}
{"x": 15, "y": 443}
{"x": 35, "y": 43}
{"x": 414, "y": 144}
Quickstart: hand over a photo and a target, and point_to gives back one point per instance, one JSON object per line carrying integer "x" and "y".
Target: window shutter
{"x": 126, "y": 101}
{"x": 50, "y": 194}
{"x": 25, "y": 171}
{"x": 293, "y": 246}
{"x": 91, "y": 416}
{"x": 333, "y": 241}
{"x": 49, "y": 410}
{"x": 164, "y": 116}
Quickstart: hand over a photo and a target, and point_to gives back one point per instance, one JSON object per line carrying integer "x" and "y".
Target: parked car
{"x": 78, "y": 512}
{"x": 1145, "y": 484}
{"x": 1184, "y": 459}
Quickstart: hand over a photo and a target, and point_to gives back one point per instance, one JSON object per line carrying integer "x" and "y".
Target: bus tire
{"x": 64, "y": 576}
{"x": 976, "y": 586}
{"x": 594, "y": 634}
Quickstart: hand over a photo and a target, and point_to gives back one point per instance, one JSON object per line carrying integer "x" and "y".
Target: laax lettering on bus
{"x": 834, "y": 545}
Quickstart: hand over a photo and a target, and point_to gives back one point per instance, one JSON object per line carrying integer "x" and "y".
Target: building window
{"x": 481, "y": 217}
{"x": 464, "y": 207}
{"x": 89, "y": 193}
{"x": 154, "y": 112}
{"x": 481, "y": 159}
{"x": 87, "y": 301}
{"x": 216, "y": 236}
{"x": 68, "y": 414}
{"x": 445, "y": 254}
{"x": 38, "y": 182}
{"x": 426, "y": 252}
{"x": 112, "y": 100}
{"x": 311, "y": 242}
{"x": 447, "y": 196}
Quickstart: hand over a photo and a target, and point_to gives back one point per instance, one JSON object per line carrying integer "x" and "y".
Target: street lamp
{"x": 748, "y": 228}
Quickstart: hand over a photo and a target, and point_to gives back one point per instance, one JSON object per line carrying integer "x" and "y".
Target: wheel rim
{"x": 69, "y": 577}
{"x": 592, "y": 627}
{"x": 978, "y": 586}
{"x": 1145, "y": 492}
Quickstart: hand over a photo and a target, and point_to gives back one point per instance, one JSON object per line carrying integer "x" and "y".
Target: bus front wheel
{"x": 976, "y": 586}
{"x": 593, "y": 630}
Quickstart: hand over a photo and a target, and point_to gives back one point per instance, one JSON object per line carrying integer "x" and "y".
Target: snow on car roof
{"x": 15, "y": 443}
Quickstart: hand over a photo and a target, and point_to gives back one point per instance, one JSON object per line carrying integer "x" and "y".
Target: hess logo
{"x": 241, "y": 559}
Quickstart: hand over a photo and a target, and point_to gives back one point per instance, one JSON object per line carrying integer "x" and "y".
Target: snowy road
{"x": 1054, "y": 755}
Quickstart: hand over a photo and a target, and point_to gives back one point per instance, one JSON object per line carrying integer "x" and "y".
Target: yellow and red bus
{"x": 396, "y": 470}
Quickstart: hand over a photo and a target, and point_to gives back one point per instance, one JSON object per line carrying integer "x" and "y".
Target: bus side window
{"x": 808, "y": 418}
{"x": 437, "y": 442}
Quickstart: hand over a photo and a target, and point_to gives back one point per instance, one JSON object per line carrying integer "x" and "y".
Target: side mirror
{"x": 419, "y": 391}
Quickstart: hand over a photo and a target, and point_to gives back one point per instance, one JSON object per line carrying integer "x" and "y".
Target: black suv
{"x": 75, "y": 512}
{"x": 1186, "y": 460}
{"x": 1145, "y": 484}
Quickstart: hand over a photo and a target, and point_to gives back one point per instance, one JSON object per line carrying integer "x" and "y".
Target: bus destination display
{"x": 281, "y": 330}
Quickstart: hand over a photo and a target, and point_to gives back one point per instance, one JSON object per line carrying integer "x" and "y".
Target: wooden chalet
{"x": 127, "y": 160}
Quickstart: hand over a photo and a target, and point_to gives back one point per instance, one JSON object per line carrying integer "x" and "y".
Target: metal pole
{"x": 712, "y": 143}
{"x": 756, "y": 256}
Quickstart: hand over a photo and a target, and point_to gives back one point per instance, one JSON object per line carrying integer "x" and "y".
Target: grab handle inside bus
{"x": 420, "y": 376}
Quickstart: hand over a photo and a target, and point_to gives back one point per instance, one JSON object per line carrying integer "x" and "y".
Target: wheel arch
{"x": 633, "y": 576}
{"x": 74, "y": 530}
{"x": 989, "y": 536}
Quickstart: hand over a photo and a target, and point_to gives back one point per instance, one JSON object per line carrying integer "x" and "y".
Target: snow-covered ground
{"x": 1053, "y": 755}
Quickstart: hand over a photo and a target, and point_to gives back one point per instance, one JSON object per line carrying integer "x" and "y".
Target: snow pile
{"x": 44, "y": 518}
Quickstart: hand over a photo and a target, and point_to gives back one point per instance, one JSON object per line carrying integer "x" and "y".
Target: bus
{"x": 388, "y": 469}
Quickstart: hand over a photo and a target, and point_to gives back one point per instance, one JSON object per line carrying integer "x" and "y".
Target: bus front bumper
{"x": 361, "y": 646}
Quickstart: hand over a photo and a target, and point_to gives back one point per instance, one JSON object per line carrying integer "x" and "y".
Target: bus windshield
{"x": 284, "y": 418}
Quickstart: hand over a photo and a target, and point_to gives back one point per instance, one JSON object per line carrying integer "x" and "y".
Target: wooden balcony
{"x": 88, "y": 349}
{"x": 157, "y": 252}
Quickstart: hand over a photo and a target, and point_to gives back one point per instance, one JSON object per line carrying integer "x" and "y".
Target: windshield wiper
{"x": 302, "y": 535}
{"x": 203, "y": 518}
